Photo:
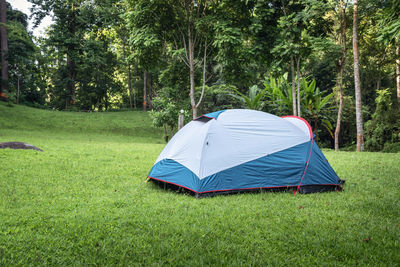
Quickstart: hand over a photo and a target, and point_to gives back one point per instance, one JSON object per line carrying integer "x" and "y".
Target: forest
{"x": 333, "y": 62}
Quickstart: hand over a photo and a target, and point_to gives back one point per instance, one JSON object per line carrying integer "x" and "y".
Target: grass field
{"x": 83, "y": 201}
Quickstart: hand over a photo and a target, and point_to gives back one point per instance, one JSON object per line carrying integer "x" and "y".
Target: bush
{"x": 384, "y": 127}
{"x": 391, "y": 148}
{"x": 217, "y": 97}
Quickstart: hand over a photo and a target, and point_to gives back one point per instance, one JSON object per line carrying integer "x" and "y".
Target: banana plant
{"x": 312, "y": 100}
{"x": 254, "y": 99}
{"x": 314, "y": 103}
{"x": 279, "y": 94}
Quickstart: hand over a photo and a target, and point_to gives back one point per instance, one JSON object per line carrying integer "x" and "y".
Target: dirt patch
{"x": 18, "y": 145}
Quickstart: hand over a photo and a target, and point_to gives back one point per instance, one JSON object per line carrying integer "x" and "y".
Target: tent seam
{"x": 305, "y": 169}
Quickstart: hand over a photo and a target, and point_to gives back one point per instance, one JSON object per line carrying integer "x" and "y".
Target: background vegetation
{"x": 196, "y": 55}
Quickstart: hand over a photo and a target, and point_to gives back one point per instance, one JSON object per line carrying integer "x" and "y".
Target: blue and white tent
{"x": 239, "y": 149}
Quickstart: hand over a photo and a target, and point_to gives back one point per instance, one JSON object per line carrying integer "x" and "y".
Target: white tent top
{"x": 236, "y": 136}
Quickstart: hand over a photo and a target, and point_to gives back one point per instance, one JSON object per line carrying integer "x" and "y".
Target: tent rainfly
{"x": 240, "y": 150}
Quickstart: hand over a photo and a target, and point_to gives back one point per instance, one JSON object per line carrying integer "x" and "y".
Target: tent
{"x": 239, "y": 150}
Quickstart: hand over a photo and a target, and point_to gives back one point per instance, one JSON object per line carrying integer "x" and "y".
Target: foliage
{"x": 254, "y": 99}
{"x": 79, "y": 42}
{"x": 93, "y": 46}
{"x": 316, "y": 106}
{"x": 83, "y": 201}
{"x": 312, "y": 100}
{"x": 384, "y": 127}
{"x": 389, "y": 22}
{"x": 25, "y": 81}
{"x": 164, "y": 114}
{"x": 219, "y": 97}
{"x": 279, "y": 95}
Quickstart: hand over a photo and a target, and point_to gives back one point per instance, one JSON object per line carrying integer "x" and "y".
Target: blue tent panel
{"x": 168, "y": 170}
{"x": 282, "y": 169}
{"x": 213, "y": 114}
{"x": 319, "y": 171}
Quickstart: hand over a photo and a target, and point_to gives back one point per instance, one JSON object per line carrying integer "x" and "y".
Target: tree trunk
{"x": 340, "y": 110}
{"x": 378, "y": 83}
{"x": 106, "y": 101}
{"x": 4, "y": 48}
{"x": 71, "y": 78}
{"x": 172, "y": 131}
{"x": 151, "y": 91}
{"x": 204, "y": 74}
{"x": 145, "y": 91}
{"x": 18, "y": 89}
{"x": 133, "y": 89}
{"x": 357, "y": 83}
{"x": 191, "y": 70}
{"x": 129, "y": 78}
{"x": 398, "y": 69}
{"x": 293, "y": 86}
{"x": 340, "y": 72}
{"x": 165, "y": 133}
{"x": 71, "y": 67}
{"x": 298, "y": 87}
{"x": 130, "y": 86}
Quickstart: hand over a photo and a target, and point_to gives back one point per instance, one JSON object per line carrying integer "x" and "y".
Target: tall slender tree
{"x": 340, "y": 68}
{"x": 357, "y": 82}
{"x": 398, "y": 68}
{"x": 144, "y": 90}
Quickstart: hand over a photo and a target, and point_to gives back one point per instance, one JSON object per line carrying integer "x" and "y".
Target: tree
{"x": 340, "y": 68}
{"x": 390, "y": 34}
{"x": 66, "y": 33}
{"x": 165, "y": 114}
{"x": 384, "y": 127}
{"x": 146, "y": 22}
{"x": 25, "y": 83}
{"x": 192, "y": 34}
{"x": 357, "y": 83}
{"x": 294, "y": 42}
{"x": 81, "y": 41}
{"x": 4, "y": 48}
{"x": 184, "y": 28}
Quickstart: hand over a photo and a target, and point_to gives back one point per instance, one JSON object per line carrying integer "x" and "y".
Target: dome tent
{"x": 239, "y": 150}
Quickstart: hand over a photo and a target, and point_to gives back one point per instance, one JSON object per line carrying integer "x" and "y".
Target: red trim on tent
{"x": 300, "y": 118}
{"x": 305, "y": 169}
{"x": 250, "y": 188}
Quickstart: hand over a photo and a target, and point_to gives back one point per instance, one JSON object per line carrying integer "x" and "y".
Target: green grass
{"x": 83, "y": 202}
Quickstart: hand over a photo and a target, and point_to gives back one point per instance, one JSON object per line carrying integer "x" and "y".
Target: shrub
{"x": 218, "y": 97}
{"x": 384, "y": 127}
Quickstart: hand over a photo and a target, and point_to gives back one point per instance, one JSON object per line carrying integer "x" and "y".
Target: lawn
{"x": 83, "y": 201}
